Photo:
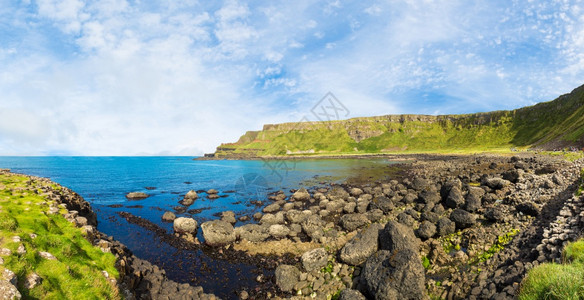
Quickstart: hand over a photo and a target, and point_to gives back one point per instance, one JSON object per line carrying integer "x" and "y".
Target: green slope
{"x": 548, "y": 125}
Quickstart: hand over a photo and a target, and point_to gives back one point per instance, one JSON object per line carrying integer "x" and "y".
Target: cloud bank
{"x": 122, "y": 77}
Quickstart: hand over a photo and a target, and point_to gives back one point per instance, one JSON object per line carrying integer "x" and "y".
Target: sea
{"x": 105, "y": 181}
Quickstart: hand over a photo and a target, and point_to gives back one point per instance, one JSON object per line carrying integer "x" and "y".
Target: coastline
{"x": 519, "y": 195}
{"x": 138, "y": 279}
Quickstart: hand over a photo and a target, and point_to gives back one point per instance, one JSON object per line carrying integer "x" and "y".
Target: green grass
{"x": 557, "y": 281}
{"x": 553, "y": 281}
{"x": 77, "y": 272}
{"x": 560, "y": 121}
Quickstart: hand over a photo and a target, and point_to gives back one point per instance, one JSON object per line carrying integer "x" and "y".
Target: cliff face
{"x": 549, "y": 125}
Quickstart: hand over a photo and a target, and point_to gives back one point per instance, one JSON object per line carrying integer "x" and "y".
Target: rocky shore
{"x": 456, "y": 227}
{"x": 139, "y": 279}
{"x": 445, "y": 227}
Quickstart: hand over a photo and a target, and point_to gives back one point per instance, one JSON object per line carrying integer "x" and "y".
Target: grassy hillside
{"x": 548, "y": 125}
{"x": 76, "y": 271}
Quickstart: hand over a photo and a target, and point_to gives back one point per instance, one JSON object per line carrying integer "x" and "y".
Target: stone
{"x": 495, "y": 214}
{"x": 356, "y": 192}
{"x": 351, "y": 222}
{"x": 426, "y": 230}
{"x": 383, "y": 203}
{"x": 350, "y": 294}
{"x": 462, "y": 218}
{"x": 406, "y": 219}
{"x": 286, "y": 277}
{"x": 314, "y": 259}
{"x": 338, "y": 193}
{"x": 496, "y": 183}
{"x": 272, "y": 208}
{"x": 429, "y": 197}
{"x": 212, "y": 192}
{"x": 278, "y": 231}
{"x": 252, "y": 232}
{"x": 32, "y": 280}
{"x": 47, "y": 255}
{"x": 185, "y": 225}
{"x": 445, "y": 227}
{"x": 218, "y": 233}
{"x": 136, "y": 196}
{"x": 473, "y": 199}
{"x": 397, "y": 274}
{"x": 313, "y": 227}
{"x": 454, "y": 198}
{"x": 374, "y": 215}
{"x": 228, "y": 216}
{"x": 395, "y": 236}
{"x": 191, "y": 195}
{"x": 168, "y": 216}
{"x": 296, "y": 216}
{"x": 8, "y": 284}
{"x": 301, "y": 195}
{"x": 360, "y": 247}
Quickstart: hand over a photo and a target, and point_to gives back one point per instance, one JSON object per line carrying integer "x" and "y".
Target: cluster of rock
{"x": 468, "y": 202}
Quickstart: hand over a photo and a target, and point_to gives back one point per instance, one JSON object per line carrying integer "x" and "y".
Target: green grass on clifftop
{"x": 548, "y": 125}
{"x": 77, "y": 271}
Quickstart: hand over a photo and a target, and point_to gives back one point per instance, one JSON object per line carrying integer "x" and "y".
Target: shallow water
{"x": 104, "y": 182}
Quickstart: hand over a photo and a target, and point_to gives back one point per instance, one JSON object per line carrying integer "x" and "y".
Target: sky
{"x": 179, "y": 77}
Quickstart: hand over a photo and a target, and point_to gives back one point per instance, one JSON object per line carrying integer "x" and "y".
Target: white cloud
{"x": 123, "y": 77}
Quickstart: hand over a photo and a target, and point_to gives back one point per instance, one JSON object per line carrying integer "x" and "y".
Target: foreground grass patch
{"x": 557, "y": 281}
{"x": 77, "y": 272}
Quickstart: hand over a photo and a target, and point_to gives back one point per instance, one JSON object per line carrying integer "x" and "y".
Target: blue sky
{"x": 118, "y": 77}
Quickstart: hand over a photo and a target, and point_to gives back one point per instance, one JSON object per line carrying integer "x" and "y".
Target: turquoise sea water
{"x": 104, "y": 182}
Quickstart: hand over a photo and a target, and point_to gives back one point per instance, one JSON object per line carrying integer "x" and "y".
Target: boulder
{"x": 448, "y": 186}
{"x": 374, "y": 215}
{"x": 272, "y": 208}
{"x": 314, "y": 259}
{"x": 218, "y": 233}
{"x": 350, "y": 294}
{"x": 383, "y": 203}
{"x": 432, "y": 217}
{"x": 296, "y": 216}
{"x": 168, "y": 216}
{"x": 420, "y": 184}
{"x": 338, "y": 193}
{"x": 185, "y": 225}
{"x": 406, "y": 219}
{"x": 356, "y": 192}
{"x": 252, "y": 232}
{"x": 495, "y": 214}
{"x": 8, "y": 284}
{"x": 496, "y": 183}
{"x": 313, "y": 227}
{"x": 454, "y": 198}
{"x": 32, "y": 280}
{"x": 301, "y": 195}
{"x": 228, "y": 216}
{"x": 278, "y": 231}
{"x": 462, "y": 218}
{"x": 351, "y": 222}
{"x": 397, "y": 274}
{"x": 191, "y": 195}
{"x": 445, "y": 227}
{"x": 136, "y": 196}
{"x": 473, "y": 199}
{"x": 286, "y": 277}
{"x": 396, "y": 236}
{"x": 271, "y": 219}
{"x": 360, "y": 247}
{"x": 430, "y": 197}
{"x": 426, "y": 230}
{"x": 212, "y": 192}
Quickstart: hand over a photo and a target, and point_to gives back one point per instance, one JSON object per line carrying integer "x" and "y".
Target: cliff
{"x": 548, "y": 125}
